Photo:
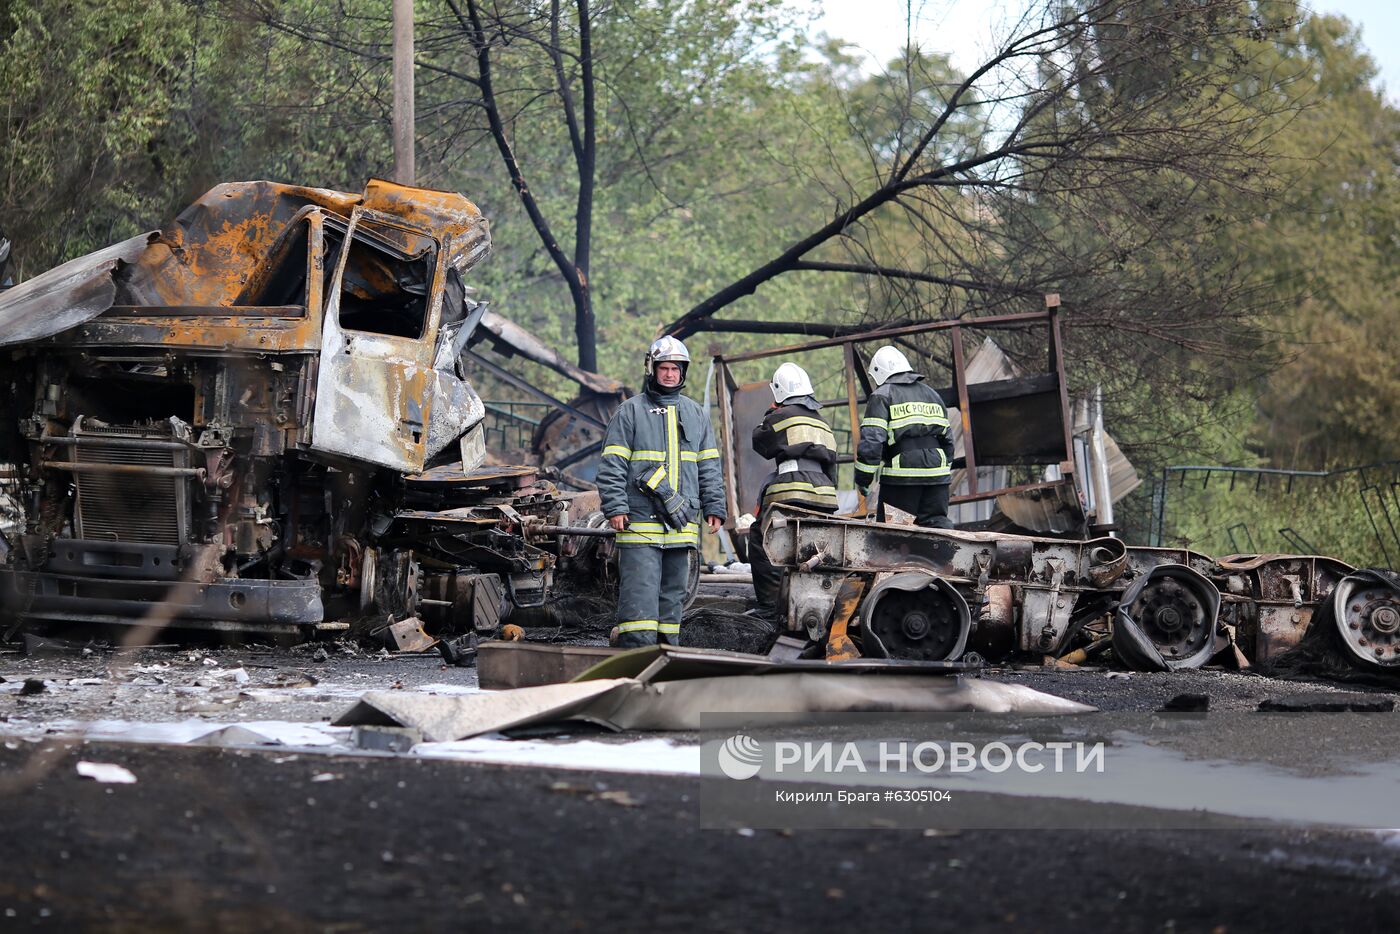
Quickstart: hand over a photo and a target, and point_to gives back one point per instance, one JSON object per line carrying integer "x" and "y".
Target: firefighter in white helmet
{"x": 660, "y": 473}
{"x": 798, "y": 439}
{"x": 904, "y": 438}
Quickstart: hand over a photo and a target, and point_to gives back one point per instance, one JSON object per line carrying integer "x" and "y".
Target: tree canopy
{"x": 1211, "y": 185}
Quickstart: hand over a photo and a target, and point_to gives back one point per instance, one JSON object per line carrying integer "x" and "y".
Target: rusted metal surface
{"x": 1271, "y": 599}
{"x": 1162, "y": 608}
{"x": 985, "y": 578}
{"x": 839, "y": 647}
{"x": 257, "y": 418}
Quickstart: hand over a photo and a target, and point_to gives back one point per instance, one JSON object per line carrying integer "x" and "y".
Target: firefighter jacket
{"x": 801, "y": 442}
{"x": 904, "y": 435}
{"x": 655, "y": 441}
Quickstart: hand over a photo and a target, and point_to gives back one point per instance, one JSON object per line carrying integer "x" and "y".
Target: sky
{"x": 964, "y": 28}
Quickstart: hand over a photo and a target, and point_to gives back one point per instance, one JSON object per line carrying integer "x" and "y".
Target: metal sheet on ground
{"x": 673, "y": 663}
{"x": 747, "y": 700}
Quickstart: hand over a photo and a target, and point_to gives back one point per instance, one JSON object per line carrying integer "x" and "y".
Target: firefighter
{"x": 904, "y": 437}
{"x": 793, "y": 434}
{"x": 660, "y": 473}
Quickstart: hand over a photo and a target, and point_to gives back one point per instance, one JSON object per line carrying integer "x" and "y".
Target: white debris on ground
{"x": 106, "y": 773}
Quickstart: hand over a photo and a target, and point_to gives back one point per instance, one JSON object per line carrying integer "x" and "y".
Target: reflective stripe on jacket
{"x": 904, "y": 435}
{"x": 800, "y": 440}
{"x": 647, "y": 432}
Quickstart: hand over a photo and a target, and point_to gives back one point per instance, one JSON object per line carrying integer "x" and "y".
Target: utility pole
{"x": 404, "y": 172}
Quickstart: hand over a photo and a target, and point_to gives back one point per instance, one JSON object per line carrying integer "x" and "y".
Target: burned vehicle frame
{"x": 1067, "y": 590}
{"x": 1007, "y": 421}
{"x": 931, "y": 594}
{"x": 259, "y": 419}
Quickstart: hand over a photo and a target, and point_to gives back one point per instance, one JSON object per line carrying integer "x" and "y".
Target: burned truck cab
{"x": 256, "y": 419}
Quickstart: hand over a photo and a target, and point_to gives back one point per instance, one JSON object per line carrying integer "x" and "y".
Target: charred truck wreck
{"x": 257, "y": 419}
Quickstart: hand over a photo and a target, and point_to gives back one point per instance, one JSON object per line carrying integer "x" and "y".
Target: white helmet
{"x": 789, "y": 382}
{"x": 666, "y": 350}
{"x": 887, "y": 362}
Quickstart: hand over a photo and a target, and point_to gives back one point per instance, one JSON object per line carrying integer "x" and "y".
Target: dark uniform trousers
{"x": 657, "y": 580}
{"x": 927, "y": 504}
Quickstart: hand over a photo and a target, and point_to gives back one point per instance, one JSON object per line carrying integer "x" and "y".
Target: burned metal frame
{"x": 511, "y": 379}
{"x": 1160, "y": 608}
{"x": 967, "y": 396}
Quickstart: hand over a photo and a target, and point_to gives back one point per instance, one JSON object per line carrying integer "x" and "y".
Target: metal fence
{"x": 1377, "y": 488}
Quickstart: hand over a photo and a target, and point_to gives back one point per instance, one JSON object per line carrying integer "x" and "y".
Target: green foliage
{"x": 706, "y": 159}
{"x": 1248, "y": 515}
{"x": 1329, "y": 247}
{"x": 117, "y": 114}
{"x": 1234, "y": 311}
{"x": 91, "y": 90}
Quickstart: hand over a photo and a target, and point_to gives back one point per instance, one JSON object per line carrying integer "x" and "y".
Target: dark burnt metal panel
{"x": 147, "y": 602}
{"x": 65, "y": 296}
{"x": 853, "y": 412}
{"x": 127, "y": 505}
{"x": 114, "y": 559}
{"x": 728, "y": 446}
{"x": 749, "y": 402}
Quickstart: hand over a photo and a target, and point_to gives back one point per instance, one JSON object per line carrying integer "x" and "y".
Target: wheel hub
{"x": 1169, "y": 619}
{"x": 1367, "y": 611}
{"x": 916, "y": 626}
{"x": 916, "y": 616}
{"x": 1173, "y": 616}
{"x": 1385, "y": 619}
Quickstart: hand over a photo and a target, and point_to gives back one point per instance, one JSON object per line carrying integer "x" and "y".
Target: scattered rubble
{"x": 1328, "y": 703}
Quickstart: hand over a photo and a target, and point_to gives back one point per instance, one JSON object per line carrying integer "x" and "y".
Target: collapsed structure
{"x": 257, "y": 418}
{"x": 1033, "y": 568}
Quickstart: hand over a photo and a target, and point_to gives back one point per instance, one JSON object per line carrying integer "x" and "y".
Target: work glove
{"x": 675, "y": 510}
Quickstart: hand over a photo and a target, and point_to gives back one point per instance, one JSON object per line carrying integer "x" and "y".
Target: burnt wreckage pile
{"x": 257, "y": 419}
{"x": 934, "y": 594}
{"x": 1031, "y": 568}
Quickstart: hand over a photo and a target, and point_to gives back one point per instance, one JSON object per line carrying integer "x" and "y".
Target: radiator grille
{"x": 127, "y": 507}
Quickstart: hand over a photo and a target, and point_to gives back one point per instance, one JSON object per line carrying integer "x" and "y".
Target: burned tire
{"x": 916, "y": 616}
{"x": 1366, "y": 607}
{"x": 1166, "y": 620}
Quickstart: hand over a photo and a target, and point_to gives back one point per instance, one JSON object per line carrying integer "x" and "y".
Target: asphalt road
{"x": 238, "y": 840}
{"x": 224, "y": 840}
